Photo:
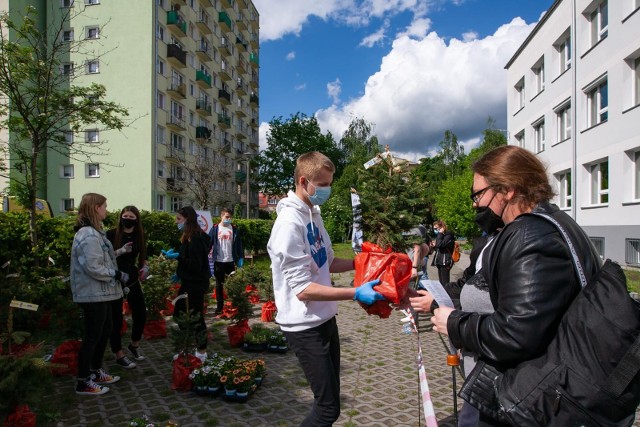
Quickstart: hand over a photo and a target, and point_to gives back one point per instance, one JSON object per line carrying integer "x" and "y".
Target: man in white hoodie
{"x": 302, "y": 261}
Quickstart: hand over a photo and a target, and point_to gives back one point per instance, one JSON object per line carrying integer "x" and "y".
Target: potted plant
{"x": 185, "y": 338}
{"x": 157, "y": 290}
{"x": 242, "y": 308}
{"x": 199, "y": 379}
{"x": 243, "y": 381}
{"x": 277, "y": 342}
{"x": 256, "y": 339}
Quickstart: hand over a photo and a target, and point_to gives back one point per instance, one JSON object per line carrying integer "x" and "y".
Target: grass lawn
{"x": 341, "y": 250}
{"x": 633, "y": 280}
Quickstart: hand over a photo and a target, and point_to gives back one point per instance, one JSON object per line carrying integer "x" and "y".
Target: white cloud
{"x": 263, "y": 133}
{"x": 291, "y": 56}
{"x": 424, "y": 87}
{"x": 302, "y": 86}
{"x": 333, "y": 90}
{"x": 375, "y": 38}
{"x": 469, "y": 36}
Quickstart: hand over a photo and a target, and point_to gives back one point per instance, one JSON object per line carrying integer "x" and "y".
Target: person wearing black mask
{"x": 132, "y": 259}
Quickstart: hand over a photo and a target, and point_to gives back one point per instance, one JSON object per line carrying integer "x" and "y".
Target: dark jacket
{"x": 127, "y": 262}
{"x": 444, "y": 245}
{"x": 193, "y": 262}
{"x": 532, "y": 281}
{"x": 236, "y": 244}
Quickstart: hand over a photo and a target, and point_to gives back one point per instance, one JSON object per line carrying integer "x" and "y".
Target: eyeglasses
{"x": 475, "y": 197}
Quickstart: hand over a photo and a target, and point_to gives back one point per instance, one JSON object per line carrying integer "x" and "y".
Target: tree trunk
{"x": 32, "y": 187}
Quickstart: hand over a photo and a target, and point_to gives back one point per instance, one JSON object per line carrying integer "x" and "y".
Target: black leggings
{"x": 138, "y": 314}
{"x": 97, "y": 328}
{"x": 221, "y": 271}
{"x": 195, "y": 297}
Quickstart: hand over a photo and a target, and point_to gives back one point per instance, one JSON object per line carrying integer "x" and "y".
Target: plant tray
{"x": 277, "y": 349}
{"x": 254, "y": 348}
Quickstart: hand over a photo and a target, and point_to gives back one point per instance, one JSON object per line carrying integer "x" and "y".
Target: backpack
{"x": 455, "y": 255}
{"x": 588, "y": 375}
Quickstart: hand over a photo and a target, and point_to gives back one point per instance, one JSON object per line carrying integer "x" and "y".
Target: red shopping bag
{"x": 392, "y": 268}
{"x": 21, "y": 417}
{"x": 182, "y": 367}
{"x": 155, "y": 329}
{"x": 268, "y": 311}
{"x": 65, "y": 358}
{"x": 237, "y": 332}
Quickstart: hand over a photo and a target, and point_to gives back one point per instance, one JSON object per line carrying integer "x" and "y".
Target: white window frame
{"x": 160, "y": 32}
{"x": 177, "y": 141}
{"x": 632, "y": 251}
{"x": 88, "y": 31}
{"x": 68, "y": 137}
{"x": 67, "y": 205}
{"x": 538, "y": 135}
{"x": 597, "y": 180}
{"x": 91, "y": 2}
{"x": 92, "y": 136}
{"x": 598, "y": 23}
{"x": 538, "y": 76}
{"x": 161, "y": 202}
{"x": 636, "y": 80}
{"x": 93, "y": 170}
{"x": 160, "y": 101}
{"x": 597, "y": 104}
{"x": 67, "y": 171}
{"x": 563, "y": 46}
{"x": 161, "y": 169}
{"x": 176, "y": 203}
{"x": 599, "y": 244}
{"x": 161, "y": 66}
{"x": 93, "y": 66}
{"x": 192, "y": 147}
{"x": 635, "y": 158}
{"x": 66, "y": 69}
{"x": 563, "y": 120}
{"x": 66, "y": 3}
{"x": 520, "y": 94}
{"x": 564, "y": 189}
{"x": 161, "y": 135}
{"x": 519, "y": 137}
{"x": 67, "y": 35}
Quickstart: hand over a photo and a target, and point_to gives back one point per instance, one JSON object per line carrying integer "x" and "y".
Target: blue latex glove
{"x": 365, "y": 293}
{"x": 171, "y": 254}
{"x": 240, "y": 262}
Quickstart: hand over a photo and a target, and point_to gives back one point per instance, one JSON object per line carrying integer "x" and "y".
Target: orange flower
{"x": 223, "y": 379}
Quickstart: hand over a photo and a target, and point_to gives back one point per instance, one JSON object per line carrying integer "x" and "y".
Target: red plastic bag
{"x": 155, "y": 329}
{"x": 66, "y": 355}
{"x": 182, "y": 367}
{"x": 252, "y": 291}
{"x": 224, "y": 294}
{"x": 21, "y": 417}
{"x": 237, "y": 332}
{"x": 126, "y": 310}
{"x": 392, "y": 268}
{"x": 123, "y": 328}
{"x": 268, "y": 311}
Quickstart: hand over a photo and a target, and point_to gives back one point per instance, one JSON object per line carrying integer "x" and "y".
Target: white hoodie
{"x": 301, "y": 253}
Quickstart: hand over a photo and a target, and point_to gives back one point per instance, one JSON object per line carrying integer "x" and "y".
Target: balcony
{"x": 176, "y": 23}
{"x": 225, "y": 146}
{"x": 203, "y": 79}
{"x": 206, "y": 3}
{"x": 203, "y": 133}
{"x": 253, "y": 60}
{"x": 241, "y": 44}
{"x": 227, "y": 4}
{"x": 242, "y": 66}
{"x": 241, "y": 87}
{"x": 204, "y": 51}
{"x": 176, "y": 122}
{"x": 176, "y": 56}
{"x": 253, "y": 100}
{"x": 241, "y": 24}
{"x": 225, "y": 48}
{"x": 174, "y": 185}
{"x": 255, "y": 80}
{"x": 203, "y": 107}
{"x": 177, "y": 89}
{"x": 225, "y": 22}
{"x": 254, "y": 41}
{"x": 225, "y": 71}
{"x": 204, "y": 23}
{"x": 240, "y": 110}
{"x": 224, "y": 121}
{"x": 254, "y": 143}
{"x": 175, "y": 153}
{"x": 224, "y": 97}
{"x": 254, "y": 123}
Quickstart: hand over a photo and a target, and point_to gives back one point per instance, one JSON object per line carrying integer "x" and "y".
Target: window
{"x": 162, "y": 169}
{"x": 93, "y": 170}
{"x": 563, "y": 47}
{"x": 67, "y": 68}
{"x": 93, "y": 67}
{"x": 192, "y": 147}
{"x": 564, "y": 189}
{"x": 67, "y": 35}
{"x": 636, "y": 81}
{"x": 160, "y": 202}
{"x": 598, "y": 102}
{"x": 93, "y": 32}
{"x": 520, "y": 138}
{"x": 636, "y": 173}
{"x": 176, "y": 204}
{"x": 68, "y": 137}
{"x": 92, "y": 135}
{"x": 159, "y": 32}
{"x": 538, "y": 75}
{"x": 192, "y": 118}
{"x": 519, "y": 87}
{"x": 599, "y": 182}
{"x": 160, "y": 101}
{"x": 599, "y": 23}
{"x": 598, "y": 243}
{"x": 632, "y": 251}
{"x": 91, "y": 2}
{"x": 67, "y": 205}
{"x": 66, "y": 171}
{"x": 66, "y": 3}
{"x": 191, "y": 60}
{"x": 161, "y": 135}
{"x": 192, "y": 89}
{"x": 538, "y": 135}
{"x": 563, "y": 118}
{"x": 161, "y": 67}
{"x": 177, "y": 141}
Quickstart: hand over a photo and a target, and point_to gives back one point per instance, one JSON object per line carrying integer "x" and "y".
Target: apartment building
{"x": 574, "y": 99}
{"x": 188, "y": 72}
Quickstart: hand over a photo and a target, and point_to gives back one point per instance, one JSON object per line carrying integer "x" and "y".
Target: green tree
{"x": 451, "y": 154}
{"x": 41, "y": 103}
{"x": 286, "y": 141}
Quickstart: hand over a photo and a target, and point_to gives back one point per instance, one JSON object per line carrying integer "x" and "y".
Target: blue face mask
{"x": 181, "y": 226}
{"x": 226, "y": 221}
{"x": 436, "y": 232}
{"x": 321, "y": 195}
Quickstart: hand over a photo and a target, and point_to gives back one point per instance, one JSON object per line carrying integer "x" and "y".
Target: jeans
{"x": 318, "y": 351}
{"x": 195, "y": 292}
{"x": 138, "y": 314}
{"x": 221, "y": 271}
{"x": 97, "y": 328}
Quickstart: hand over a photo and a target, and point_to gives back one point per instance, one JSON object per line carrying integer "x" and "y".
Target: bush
{"x": 158, "y": 288}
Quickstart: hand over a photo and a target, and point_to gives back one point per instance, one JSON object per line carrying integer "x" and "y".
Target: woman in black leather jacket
{"x": 529, "y": 269}
{"x": 443, "y": 245}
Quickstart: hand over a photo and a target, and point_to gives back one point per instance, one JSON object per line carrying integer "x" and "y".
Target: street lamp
{"x": 247, "y": 158}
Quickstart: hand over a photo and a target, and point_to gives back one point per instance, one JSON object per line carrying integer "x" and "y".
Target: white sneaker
{"x": 405, "y": 319}
{"x": 201, "y": 356}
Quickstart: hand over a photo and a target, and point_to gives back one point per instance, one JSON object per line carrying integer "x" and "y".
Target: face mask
{"x": 226, "y": 221}
{"x": 321, "y": 195}
{"x": 436, "y": 232}
{"x": 128, "y": 222}
{"x": 181, "y": 226}
{"x": 487, "y": 220}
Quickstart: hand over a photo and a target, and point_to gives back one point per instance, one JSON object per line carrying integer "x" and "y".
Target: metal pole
{"x": 248, "y": 193}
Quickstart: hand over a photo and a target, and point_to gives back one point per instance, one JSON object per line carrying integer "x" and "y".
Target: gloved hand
{"x": 171, "y": 254}
{"x": 127, "y": 248}
{"x": 175, "y": 278}
{"x": 240, "y": 262}
{"x": 122, "y": 277}
{"x": 144, "y": 272}
{"x": 365, "y": 293}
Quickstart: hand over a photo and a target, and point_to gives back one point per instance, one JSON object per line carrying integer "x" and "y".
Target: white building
{"x": 574, "y": 99}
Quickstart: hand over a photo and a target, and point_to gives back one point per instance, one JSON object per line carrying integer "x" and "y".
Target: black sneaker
{"x": 102, "y": 377}
{"x": 88, "y": 388}
{"x": 135, "y": 352}
{"x": 125, "y": 362}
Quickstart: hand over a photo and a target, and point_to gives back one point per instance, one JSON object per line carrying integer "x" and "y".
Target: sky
{"x": 412, "y": 68}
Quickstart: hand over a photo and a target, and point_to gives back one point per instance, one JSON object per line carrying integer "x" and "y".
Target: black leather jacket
{"x": 532, "y": 281}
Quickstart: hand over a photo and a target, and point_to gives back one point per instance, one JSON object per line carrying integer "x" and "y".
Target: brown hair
{"x": 191, "y": 226}
{"x": 138, "y": 233}
{"x": 226, "y": 210}
{"x": 440, "y": 224}
{"x": 309, "y": 164}
{"x": 513, "y": 168}
{"x": 87, "y": 210}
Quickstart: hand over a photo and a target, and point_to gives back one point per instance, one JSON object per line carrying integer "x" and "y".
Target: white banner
{"x": 204, "y": 220}
{"x": 356, "y": 235}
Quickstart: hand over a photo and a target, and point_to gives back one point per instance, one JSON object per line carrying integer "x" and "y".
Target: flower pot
{"x": 213, "y": 390}
{"x": 257, "y": 381}
{"x": 242, "y": 394}
{"x": 200, "y": 390}
{"x": 236, "y": 333}
{"x": 229, "y": 392}
{"x": 251, "y": 347}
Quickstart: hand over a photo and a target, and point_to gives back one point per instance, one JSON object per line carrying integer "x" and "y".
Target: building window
{"x": 563, "y": 47}
{"x": 66, "y": 171}
{"x": 161, "y": 67}
{"x": 91, "y": 2}
{"x": 636, "y": 173}
{"x": 538, "y": 135}
{"x": 632, "y": 251}
{"x": 160, "y": 101}
{"x": 92, "y": 136}
{"x": 192, "y": 147}
{"x": 93, "y": 32}
{"x": 598, "y": 243}
{"x": 599, "y": 23}
{"x": 563, "y": 118}
{"x": 177, "y": 141}
{"x": 538, "y": 75}
{"x": 93, "y": 170}
{"x": 598, "y": 102}
{"x": 160, "y": 202}
{"x": 67, "y": 68}
{"x": 564, "y": 189}
{"x": 636, "y": 81}
{"x": 176, "y": 204}
{"x": 520, "y": 138}
{"x": 519, "y": 87}
{"x": 68, "y": 137}
{"x": 67, "y": 35}
{"x": 162, "y": 172}
{"x": 67, "y": 205}
{"x": 66, "y": 3}
{"x": 161, "y": 135}
{"x": 599, "y": 182}
{"x": 160, "y": 32}
{"x": 93, "y": 67}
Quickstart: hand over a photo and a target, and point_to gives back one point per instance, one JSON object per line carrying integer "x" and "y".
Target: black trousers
{"x": 444, "y": 274}
{"x": 318, "y": 351}
{"x": 220, "y": 271}
{"x": 97, "y": 328}
{"x": 195, "y": 292}
{"x": 138, "y": 315}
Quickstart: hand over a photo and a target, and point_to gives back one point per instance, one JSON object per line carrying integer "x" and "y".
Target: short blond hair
{"x": 310, "y": 164}
{"x": 87, "y": 210}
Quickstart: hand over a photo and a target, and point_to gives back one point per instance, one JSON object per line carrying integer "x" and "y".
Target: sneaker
{"x": 88, "y": 387}
{"x": 102, "y": 377}
{"x": 201, "y": 356}
{"x": 135, "y": 351}
{"x": 125, "y": 362}
{"x": 405, "y": 319}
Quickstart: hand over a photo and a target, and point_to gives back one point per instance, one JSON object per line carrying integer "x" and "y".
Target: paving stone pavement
{"x": 379, "y": 381}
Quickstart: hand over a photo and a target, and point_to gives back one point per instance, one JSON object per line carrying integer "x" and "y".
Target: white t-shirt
{"x": 225, "y": 244}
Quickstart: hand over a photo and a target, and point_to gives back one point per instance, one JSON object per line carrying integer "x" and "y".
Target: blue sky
{"x": 413, "y": 68}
